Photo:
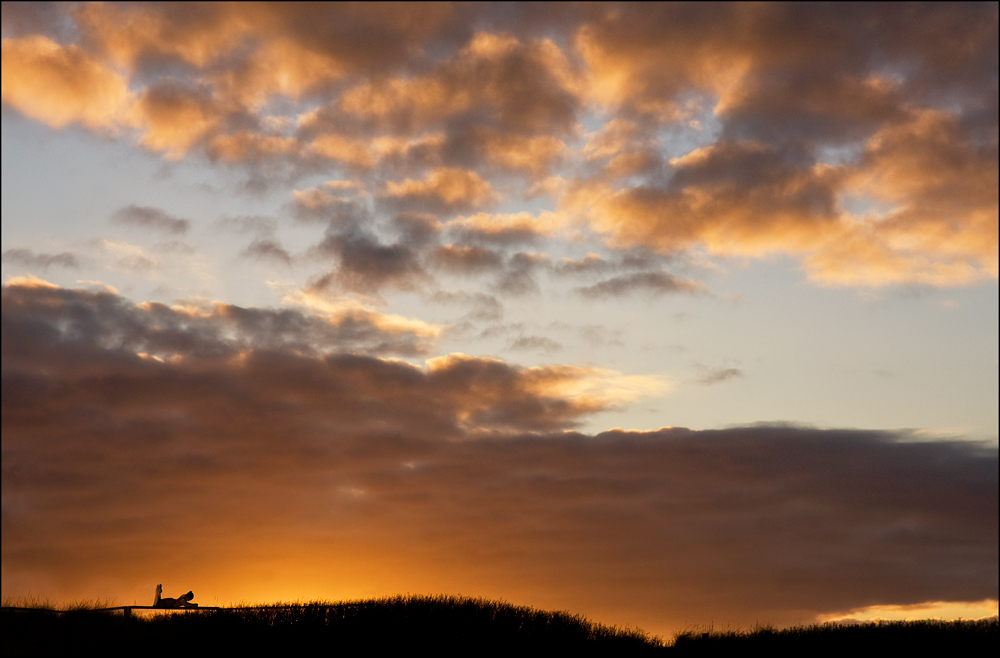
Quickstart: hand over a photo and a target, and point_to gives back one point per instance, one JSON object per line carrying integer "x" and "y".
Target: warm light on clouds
{"x": 444, "y": 189}
{"x": 500, "y": 100}
{"x": 602, "y": 388}
{"x": 350, "y": 151}
{"x": 246, "y": 146}
{"x": 30, "y": 281}
{"x": 174, "y": 118}
{"x": 500, "y": 229}
{"x": 523, "y": 224}
{"x": 930, "y": 610}
{"x": 535, "y": 154}
{"x": 128, "y": 34}
{"x": 346, "y": 309}
{"x": 60, "y": 85}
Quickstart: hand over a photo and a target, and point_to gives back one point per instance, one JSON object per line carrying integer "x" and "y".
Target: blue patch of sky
{"x": 698, "y": 128}
{"x": 61, "y": 188}
{"x": 863, "y": 205}
{"x": 838, "y": 155}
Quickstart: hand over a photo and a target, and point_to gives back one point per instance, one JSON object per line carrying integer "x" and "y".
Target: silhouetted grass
{"x": 449, "y": 625}
{"x": 444, "y": 624}
{"x": 29, "y": 601}
{"x": 888, "y": 638}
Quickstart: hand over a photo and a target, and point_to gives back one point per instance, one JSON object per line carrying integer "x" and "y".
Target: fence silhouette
{"x": 126, "y": 609}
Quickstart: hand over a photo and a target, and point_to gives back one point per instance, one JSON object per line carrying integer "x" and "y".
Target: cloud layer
{"x": 862, "y": 141}
{"x": 261, "y": 440}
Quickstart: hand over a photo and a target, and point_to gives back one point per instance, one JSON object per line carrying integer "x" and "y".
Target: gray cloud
{"x": 485, "y": 308}
{"x": 152, "y": 218}
{"x": 466, "y": 259}
{"x": 365, "y": 264}
{"x": 506, "y": 237}
{"x": 253, "y": 224}
{"x": 29, "y": 258}
{"x": 590, "y": 264}
{"x": 599, "y": 336}
{"x": 417, "y": 228}
{"x": 175, "y": 246}
{"x": 720, "y": 375}
{"x": 518, "y": 275}
{"x": 535, "y": 344}
{"x": 651, "y": 283}
{"x": 104, "y": 323}
{"x": 340, "y": 213}
{"x": 267, "y": 249}
{"x": 595, "y": 264}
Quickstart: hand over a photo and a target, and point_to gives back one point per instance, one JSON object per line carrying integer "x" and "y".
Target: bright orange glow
{"x": 945, "y": 610}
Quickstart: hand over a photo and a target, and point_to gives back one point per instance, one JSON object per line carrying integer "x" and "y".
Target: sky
{"x": 665, "y": 314}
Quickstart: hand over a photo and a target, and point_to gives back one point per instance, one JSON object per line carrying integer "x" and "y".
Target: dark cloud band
{"x": 275, "y": 447}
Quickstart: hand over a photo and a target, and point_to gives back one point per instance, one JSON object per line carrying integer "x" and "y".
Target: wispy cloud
{"x": 152, "y": 218}
{"x": 650, "y": 283}
{"x": 717, "y": 376}
{"x": 31, "y": 259}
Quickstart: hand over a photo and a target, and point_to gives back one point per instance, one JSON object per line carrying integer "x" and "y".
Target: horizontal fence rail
{"x": 126, "y": 609}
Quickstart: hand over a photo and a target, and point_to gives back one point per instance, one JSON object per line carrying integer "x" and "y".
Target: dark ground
{"x": 450, "y": 626}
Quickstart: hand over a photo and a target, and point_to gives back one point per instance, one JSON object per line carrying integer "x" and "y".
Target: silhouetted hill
{"x": 444, "y": 624}
{"x": 451, "y": 626}
{"x": 886, "y": 638}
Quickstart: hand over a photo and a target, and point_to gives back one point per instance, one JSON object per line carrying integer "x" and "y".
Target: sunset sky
{"x": 663, "y": 314}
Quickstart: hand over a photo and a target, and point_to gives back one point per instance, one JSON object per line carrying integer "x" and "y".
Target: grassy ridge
{"x": 446, "y": 624}
{"x": 886, "y": 638}
{"x": 451, "y": 626}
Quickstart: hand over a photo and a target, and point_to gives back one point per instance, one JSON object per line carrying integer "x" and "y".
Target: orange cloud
{"x": 247, "y": 146}
{"x": 535, "y": 155}
{"x": 751, "y": 199}
{"x": 521, "y": 87}
{"x": 60, "y": 85}
{"x": 347, "y": 310}
{"x": 813, "y": 110}
{"x": 174, "y": 118}
{"x": 348, "y": 150}
{"x": 614, "y": 137}
{"x": 738, "y": 198}
{"x": 644, "y": 57}
{"x": 445, "y": 189}
{"x": 466, "y": 259}
{"x": 917, "y": 611}
{"x": 282, "y": 67}
{"x": 30, "y": 281}
{"x": 196, "y": 35}
{"x": 943, "y": 226}
{"x": 544, "y": 223}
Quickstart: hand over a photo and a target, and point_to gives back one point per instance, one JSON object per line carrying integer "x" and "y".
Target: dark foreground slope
{"x": 452, "y": 626}
{"x": 887, "y": 638}
{"x": 447, "y": 625}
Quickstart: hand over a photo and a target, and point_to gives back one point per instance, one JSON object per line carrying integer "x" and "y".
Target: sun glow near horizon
{"x": 351, "y": 301}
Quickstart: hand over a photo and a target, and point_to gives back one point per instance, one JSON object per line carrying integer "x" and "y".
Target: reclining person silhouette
{"x": 182, "y": 601}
